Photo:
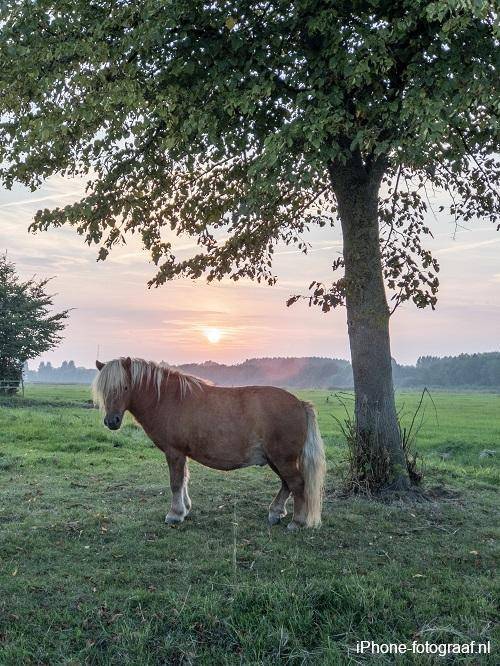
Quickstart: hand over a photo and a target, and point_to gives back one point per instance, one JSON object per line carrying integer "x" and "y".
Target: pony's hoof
{"x": 172, "y": 519}
{"x": 274, "y": 518}
{"x": 293, "y": 526}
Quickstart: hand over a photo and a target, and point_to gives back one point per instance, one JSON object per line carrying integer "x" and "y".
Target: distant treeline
{"x": 67, "y": 373}
{"x": 463, "y": 371}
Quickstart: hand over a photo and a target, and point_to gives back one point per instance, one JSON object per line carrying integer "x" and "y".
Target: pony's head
{"x": 112, "y": 389}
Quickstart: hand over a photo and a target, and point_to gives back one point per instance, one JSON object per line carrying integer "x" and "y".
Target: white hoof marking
{"x": 273, "y": 518}
{"x": 173, "y": 519}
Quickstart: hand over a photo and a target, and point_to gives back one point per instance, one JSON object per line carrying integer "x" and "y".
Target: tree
{"x": 27, "y": 327}
{"x": 244, "y": 123}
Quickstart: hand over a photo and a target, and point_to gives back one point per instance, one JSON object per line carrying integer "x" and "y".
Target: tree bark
{"x": 368, "y": 316}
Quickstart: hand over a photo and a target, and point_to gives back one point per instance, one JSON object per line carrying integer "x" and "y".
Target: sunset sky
{"x": 115, "y": 311}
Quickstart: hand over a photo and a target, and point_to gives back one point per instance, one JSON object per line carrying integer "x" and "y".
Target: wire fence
{"x": 10, "y": 386}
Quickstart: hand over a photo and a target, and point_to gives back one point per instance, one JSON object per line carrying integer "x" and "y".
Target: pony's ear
{"x": 127, "y": 362}
{"x": 99, "y": 365}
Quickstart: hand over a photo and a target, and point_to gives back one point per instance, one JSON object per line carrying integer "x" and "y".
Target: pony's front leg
{"x": 178, "y": 483}
{"x": 185, "y": 493}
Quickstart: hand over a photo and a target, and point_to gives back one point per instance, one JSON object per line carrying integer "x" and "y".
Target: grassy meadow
{"x": 90, "y": 574}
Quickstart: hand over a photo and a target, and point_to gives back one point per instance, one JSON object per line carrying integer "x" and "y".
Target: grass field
{"x": 90, "y": 574}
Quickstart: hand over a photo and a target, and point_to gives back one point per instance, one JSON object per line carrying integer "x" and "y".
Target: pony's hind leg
{"x": 178, "y": 484}
{"x": 291, "y": 475}
{"x": 296, "y": 484}
{"x": 277, "y": 510}
{"x": 292, "y": 483}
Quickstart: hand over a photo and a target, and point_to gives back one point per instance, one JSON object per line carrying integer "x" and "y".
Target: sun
{"x": 213, "y": 335}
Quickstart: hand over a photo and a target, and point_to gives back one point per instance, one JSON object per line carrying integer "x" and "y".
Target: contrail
{"x": 47, "y": 198}
{"x": 467, "y": 246}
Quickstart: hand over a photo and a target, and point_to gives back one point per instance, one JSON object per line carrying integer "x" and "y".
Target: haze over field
{"x": 191, "y": 321}
{"x": 452, "y": 372}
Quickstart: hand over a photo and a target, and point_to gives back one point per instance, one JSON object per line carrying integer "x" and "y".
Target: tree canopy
{"x": 28, "y": 327}
{"x": 228, "y": 121}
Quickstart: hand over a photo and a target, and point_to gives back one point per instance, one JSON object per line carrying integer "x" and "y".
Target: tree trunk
{"x": 378, "y": 438}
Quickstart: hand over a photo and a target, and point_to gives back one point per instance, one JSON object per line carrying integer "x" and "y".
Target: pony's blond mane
{"x": 113, "y": 378}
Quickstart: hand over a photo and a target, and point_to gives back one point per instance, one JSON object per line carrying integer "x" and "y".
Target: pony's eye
{"x": 125, "y": 388}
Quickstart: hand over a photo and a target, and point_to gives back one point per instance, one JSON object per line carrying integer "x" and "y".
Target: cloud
{"x": 464, "y": 247}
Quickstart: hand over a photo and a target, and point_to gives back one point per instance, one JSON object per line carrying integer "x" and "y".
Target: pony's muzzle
{"x": 113, "y": 421}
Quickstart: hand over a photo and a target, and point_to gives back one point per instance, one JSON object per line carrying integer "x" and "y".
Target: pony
{"x": 222, "y": 428}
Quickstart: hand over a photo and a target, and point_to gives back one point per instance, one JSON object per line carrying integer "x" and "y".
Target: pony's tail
{"x": 313, "y": 467}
